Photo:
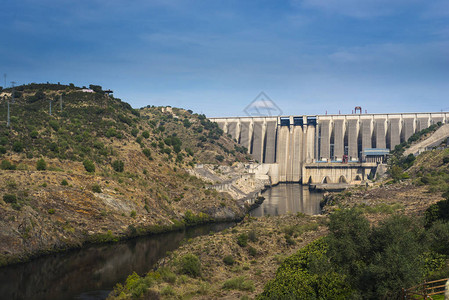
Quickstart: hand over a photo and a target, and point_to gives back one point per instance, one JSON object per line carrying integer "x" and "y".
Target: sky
{"x": 215, "y": 57}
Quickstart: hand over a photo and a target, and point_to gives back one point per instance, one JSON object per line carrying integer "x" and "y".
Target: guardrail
{"x": 425, "y": 290}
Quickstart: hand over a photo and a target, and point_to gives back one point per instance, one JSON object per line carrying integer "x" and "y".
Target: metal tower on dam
{"x": 300, "y": 144}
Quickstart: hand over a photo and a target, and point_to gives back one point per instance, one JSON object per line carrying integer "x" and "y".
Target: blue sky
{"x": 215, "y": 57}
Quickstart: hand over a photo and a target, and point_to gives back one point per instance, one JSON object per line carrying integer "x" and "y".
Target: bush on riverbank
{"x": 356, "y": 259}
{"x": 190, "y": 264}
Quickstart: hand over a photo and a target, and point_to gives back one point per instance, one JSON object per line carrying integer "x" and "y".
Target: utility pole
{"x": 4, "y": 75}
{"x": 7, "y": 120}
{"x": 50, "y": 105}
{"x": 60, "y": 102}
{"x": 13, "y": 91}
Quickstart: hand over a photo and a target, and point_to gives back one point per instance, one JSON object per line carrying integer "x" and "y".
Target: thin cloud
{"x": 357, "y": 8}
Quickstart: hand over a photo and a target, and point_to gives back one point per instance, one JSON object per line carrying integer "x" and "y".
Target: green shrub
{"x": 437, "y": 211}
{"x": 307, "y": 275}
{"x": 2, "y": 150}
{"x": 146, "y": 134}
{"x": 228, "y": 260}
{"x": 446, "y": 159}
{"x": 34, "y": 134}
{"x": 438, "y": 237}
{"x": 7, "y": 165}
{"x": 147, "y": 153}
{"x": 17, "y": 146}
{"x": 220, "y": 158}
{"x": 242, "y": 240}
{"x": 167, "y": 291}
{"x": 133, "y": 214}
{"x": 51, "y": 211}
{"x": 64, "y": 182}
{"x": 89, "y": 166}
{"x": 252, "y": 251}
{"x": 134, "y": 132}
{"x": 252, "y": 236}
{"x": 167, "y": 275}
{"x": 191, "y": 219}
{"x": 111, "y": 132}
{"x": 186, "y": 123}
{"x": 118, "y": 165}
{"x": 239, "y": 283}
{"x": 289, "y": 240}
{"x": 96, "y": 188}
{"x": 135, "y": 285}
{"x": 54, "y": 124}
{"x": 190, "y": 264}
{"x": 41, "y": 165}
{"x": 10, "y": 198}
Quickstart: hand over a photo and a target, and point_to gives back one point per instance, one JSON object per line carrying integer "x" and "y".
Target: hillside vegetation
{"x": 369, "y": 243}
{"x": 99, "y": 170}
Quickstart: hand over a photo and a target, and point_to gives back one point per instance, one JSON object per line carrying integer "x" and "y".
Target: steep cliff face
{"x": 98, "y": 170}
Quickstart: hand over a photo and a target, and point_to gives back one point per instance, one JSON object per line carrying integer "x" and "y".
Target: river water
{"x": 91, "y": 273}
{"x": 289, "y": 198}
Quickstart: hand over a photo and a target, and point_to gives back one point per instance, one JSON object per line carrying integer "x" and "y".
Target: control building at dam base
{"x": 324, "y": 149}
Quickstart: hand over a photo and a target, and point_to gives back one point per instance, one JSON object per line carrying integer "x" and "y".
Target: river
{"x": 289, "y": 198}
{"x": 91, "y": 273}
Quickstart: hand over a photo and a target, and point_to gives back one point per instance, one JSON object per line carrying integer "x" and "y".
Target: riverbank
{"x": 403, "y": 197}
{"x": 238, "y": 262}
{"x": 50, "y": 217}
{"x": 234, "y": 263}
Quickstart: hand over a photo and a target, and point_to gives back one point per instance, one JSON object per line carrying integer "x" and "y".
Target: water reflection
{"x": 289, "y": 197}
{"x": 92, "y": 272}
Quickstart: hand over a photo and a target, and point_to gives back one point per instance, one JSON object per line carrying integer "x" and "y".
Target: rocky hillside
{"x": 96, "y": 169}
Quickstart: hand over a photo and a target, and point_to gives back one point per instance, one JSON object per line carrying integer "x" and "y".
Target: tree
{"x": 396, "y": 173}
{"x": 118, "y": 165}
{"x": 438, "y": 237}
{"x": 378, "y": 262}
{"x": 96, "y": 88}
{"x": 437, "y": 211}
{"x": 349, "y": 230}
{"x": 41, "y": 165}
{"x": 396, "y": 259}
{"x": 39, "y": 95}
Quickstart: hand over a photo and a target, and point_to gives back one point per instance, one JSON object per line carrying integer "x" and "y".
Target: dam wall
{"x": 293, "y": 142}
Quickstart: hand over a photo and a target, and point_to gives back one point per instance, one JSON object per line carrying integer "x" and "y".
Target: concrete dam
{"x": 324, "y": 148}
